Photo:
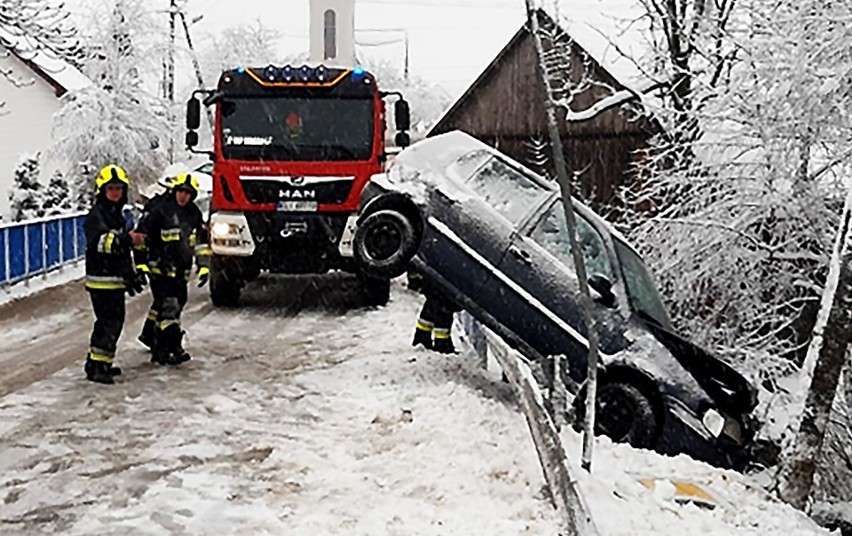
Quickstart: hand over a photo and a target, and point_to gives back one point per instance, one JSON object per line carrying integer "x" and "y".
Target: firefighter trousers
{"x": 109, "y": 321}
{"x": 170, "y": 296}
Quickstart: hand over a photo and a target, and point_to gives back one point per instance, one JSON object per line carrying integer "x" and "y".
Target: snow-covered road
{"x": 301, "y": 413}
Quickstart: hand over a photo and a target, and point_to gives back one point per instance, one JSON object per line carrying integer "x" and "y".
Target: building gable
{"x": 504, "y": 107}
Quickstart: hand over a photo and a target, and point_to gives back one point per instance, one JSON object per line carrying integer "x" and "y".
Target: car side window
{"x": 464, "y": 166}
{"x": 551, "y": 233}
{"x": 507, "y": 190}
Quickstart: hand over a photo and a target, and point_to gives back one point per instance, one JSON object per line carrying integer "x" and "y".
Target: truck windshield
{"x": 641, "y": 292}
{"x": 296, "y": 129}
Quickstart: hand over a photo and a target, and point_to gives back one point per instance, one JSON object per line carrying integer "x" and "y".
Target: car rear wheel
{"x": 624, "y": 414}
{"x": 384, "y": 244}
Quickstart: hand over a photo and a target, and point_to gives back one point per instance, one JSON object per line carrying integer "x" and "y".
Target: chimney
{"x": 333, "y": 33}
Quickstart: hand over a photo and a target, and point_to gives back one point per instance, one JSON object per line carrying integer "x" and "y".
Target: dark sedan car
{"x": 492, "y": 236}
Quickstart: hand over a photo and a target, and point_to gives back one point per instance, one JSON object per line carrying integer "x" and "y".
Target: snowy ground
{"x": 304, "y": 413}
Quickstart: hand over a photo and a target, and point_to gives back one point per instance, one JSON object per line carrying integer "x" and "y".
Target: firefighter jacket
{"x": 175, "y": 235}
{"x": 108, "y": 247}
{"x": 140, "y": 251}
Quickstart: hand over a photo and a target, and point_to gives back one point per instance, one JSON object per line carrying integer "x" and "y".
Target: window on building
{"x": 330, "y": 34}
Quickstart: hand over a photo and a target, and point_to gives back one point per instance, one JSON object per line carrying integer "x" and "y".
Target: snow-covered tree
{"x": 29, "y": 26}
{"x": 427, "y": 100}
{"x": 57, "y": 197}
{"x": 247, "y": 44}
{"x": 744, "y": 198}
{"x": 118, "y": 120}
{"x": 26, "y": 195}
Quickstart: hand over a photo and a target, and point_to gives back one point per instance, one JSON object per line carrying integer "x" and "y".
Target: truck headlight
{"x": 714, "y": 422}
{"x": 223, "y": 229}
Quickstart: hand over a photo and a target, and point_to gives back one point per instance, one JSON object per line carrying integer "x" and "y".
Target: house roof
{"x": 54, "y": 70}
{"x": 585, "y": 33}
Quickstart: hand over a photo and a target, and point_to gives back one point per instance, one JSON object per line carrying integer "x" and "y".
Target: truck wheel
{"x": 623, "y": 413}
{"x": 377, "y": 291}
{"x": 384, "y": 244}
{"x": 224, "y": 291}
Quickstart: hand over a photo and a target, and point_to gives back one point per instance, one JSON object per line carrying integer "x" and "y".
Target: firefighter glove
{"x": 203, "y": 275}
{"x": 136, "y": 283}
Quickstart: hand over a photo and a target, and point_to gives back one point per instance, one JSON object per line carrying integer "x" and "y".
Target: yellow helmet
{"x": 111, "y": 174}
{"x": 186, "y": 182}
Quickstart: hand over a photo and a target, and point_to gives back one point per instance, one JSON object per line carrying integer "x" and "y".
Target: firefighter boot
{"x": 148, "y": 337}
{"x": 182, "y": 355}
{"x": 422, "y": 335}
{"x": 167, "y": 350}
{"x": 98, "y": 371}
{"x": 160, "y": 350}
{"x": 443, "y": 342}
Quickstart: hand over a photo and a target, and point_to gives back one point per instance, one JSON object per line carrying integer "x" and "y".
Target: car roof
{"x": 438, "y": 152}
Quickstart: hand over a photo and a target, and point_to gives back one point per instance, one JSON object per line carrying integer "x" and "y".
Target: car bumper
{"x": 683, "y": 432}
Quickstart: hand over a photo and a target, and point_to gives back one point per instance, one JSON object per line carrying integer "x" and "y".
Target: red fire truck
{"x": 293, "y": 149}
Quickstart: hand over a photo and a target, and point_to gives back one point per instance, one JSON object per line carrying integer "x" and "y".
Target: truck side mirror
{"x": 193, "y": 114}
{"x": 402, "y": 139}
{"x": 402, "y": 114}
{"x": 191, "y": 138}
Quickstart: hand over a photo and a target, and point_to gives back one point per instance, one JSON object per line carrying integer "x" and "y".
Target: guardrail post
{"x": 76, "y": 248}
{"x": 26, "y": 254}
{"x": 61, "y": 221}
{"x": 43, "y": 250}
{"x": 8, "y": 257}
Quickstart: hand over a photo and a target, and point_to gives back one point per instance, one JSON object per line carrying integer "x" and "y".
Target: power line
{"x": 439, "y": 3}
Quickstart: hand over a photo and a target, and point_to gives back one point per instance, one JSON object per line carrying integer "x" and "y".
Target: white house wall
{"x": 25, "y": 120}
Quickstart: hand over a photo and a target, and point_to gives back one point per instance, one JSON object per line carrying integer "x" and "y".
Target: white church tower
{"x": 333, "y": 32}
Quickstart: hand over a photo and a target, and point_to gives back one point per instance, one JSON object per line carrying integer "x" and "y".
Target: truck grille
{"x": 333, "y": 191}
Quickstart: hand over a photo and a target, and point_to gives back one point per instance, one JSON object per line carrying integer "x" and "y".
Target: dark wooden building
{"x": 504, "y": 108}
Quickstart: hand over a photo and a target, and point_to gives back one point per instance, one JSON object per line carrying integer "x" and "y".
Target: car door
{"x": 472, "y": 220}
{"x": 507, "y": 196}
{"x": 543, "y": 301}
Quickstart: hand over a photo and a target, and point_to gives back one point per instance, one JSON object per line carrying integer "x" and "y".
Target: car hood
{"x": 729, "y": 389}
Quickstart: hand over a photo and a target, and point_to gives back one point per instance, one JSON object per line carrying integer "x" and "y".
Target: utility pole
{"x": 170, "y": 73}
{"x": 195, "y": 63}
{"x": 579, "y": 263}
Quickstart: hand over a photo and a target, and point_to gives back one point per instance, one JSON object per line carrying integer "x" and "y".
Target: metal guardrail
{"x": 36, "y": 247}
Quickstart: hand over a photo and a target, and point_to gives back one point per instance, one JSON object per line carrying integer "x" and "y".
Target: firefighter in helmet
{"x": 109, "y": 270}
{"x": 176, "y": 233}
{"x": 140, "y": 256}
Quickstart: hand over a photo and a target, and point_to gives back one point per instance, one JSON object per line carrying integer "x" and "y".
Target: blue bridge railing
{"x": 36, "y": 247}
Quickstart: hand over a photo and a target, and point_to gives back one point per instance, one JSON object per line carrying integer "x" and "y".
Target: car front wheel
{"x": 384, "y": 244}
{"x": 624, "y": 414}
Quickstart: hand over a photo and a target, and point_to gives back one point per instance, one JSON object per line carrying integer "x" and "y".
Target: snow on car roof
{"x": 437, "y": 153}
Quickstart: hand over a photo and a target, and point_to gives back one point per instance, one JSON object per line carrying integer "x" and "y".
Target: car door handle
{"x": 520, "y": 254}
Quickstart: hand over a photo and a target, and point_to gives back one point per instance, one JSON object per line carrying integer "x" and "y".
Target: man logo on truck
{"x": 297, "y": 194}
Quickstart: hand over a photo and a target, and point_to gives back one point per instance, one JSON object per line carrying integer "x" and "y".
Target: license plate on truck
{"x": 297, "y": 206}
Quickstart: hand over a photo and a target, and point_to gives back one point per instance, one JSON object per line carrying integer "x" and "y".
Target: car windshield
{"x": 291, "y": 129}
{"x": 507, "y": 190}
{"x": 641, "y": 291}
{"x": 551, "y": 233}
